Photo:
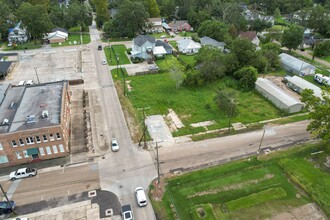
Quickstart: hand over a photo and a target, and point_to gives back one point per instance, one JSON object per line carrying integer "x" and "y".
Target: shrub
{"x": 129, "y": 50}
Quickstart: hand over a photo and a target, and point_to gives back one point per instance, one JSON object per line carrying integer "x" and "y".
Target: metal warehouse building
{"x": 298, "y": 84}
{"x": 277, "y": 96}
{"x": 296, "y": 66}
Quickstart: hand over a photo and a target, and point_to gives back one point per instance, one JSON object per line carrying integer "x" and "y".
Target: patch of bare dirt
{"x": 158, "y": 191}
{"x": 308, "y": 211}
{"x": 230, "y": 187}
{"x": 277, "y": 80}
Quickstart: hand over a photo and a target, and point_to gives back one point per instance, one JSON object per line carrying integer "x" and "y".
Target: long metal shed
{"x": 298, "y": 84}
{"x": 296, "y": 66}
{"x": 277, "y": 96}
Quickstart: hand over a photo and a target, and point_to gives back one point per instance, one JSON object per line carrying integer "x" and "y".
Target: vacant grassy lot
{"x": 250, "y": 189}
{"x": 28, "y": 45}
{"x": 74, "y": 38}
{"x": 238, "y": 190}
{"x": 120, "y": 51}
{"x": 193, "y": 104}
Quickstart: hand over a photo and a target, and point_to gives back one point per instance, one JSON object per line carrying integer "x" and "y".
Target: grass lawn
{"x": 29, "y": 45}
{"x": 193, "y": 105}
{"x": 248, "y": 189}
{"x": 188, "y": 34}
{"x": 174, "y": 44}
{"x": 120, "y": 51}
{"x": 188, "y": 59}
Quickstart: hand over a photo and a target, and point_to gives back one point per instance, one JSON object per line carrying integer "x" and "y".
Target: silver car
{"x": 114, "y": 145}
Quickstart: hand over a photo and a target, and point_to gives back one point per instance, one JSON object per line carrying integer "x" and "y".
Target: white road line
{"x": 13, "y": 188}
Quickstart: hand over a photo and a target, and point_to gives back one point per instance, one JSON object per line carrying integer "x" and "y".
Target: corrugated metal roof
{"x": 303, "y": 84}
{"x": 294, "y": 63}
{"x": 277, "y": 92}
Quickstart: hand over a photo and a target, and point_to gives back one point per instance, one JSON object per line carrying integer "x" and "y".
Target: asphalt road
{"x": 120, "y": 172}
{"x": 191, "y": 155}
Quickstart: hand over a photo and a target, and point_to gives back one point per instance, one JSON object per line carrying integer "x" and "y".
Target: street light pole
{"x": 230, "y": 114}
{"x": 35, "y": 69}
{"x": 262, "y": 138}
{"x": 158, "y": 168}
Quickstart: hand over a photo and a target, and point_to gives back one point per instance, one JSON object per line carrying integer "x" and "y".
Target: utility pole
{"x": 262, "y": 138}
{"x": 158, "y": 168}
{"x": 124, "y": 81}
{"x": 144, "y": 128}
{"x": 8, "y": 202}
{"x": 35, "y": 69}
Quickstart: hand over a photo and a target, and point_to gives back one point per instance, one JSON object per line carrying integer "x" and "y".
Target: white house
{"x": 207, "y": 41}
{"x": 143, "y": 46}
{"x": 56, "y": 37}
{"x": 188, "y": 46}
{"x": 154, "y": 25}
{"x": 298, "y": 84}
{"x": 296, "y": 66}
{"x": 17, "y": 34}
{"x": 277, "y": 96}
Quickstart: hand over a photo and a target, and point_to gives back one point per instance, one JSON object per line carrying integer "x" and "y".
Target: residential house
{"x": 207, "y": 41}
{"x": 159, "y": 51}
{"x": 17, "y": 34}
{"x": 168, "y": 48}
{"x": 277, "y": 96}
{"x": 143, "y": 46}
{"x": 154, "y": 25}
{"x": 56, "y": 37}
{"x": 296, "y": 66}
{"x": 251, "y": 16}
{"x": 251, "y": 36}
{"x": 188, "y": 46}
{"x": 298, "y": 84}
{"x": 34, "y": 122}
{"x": 181, "y": 25}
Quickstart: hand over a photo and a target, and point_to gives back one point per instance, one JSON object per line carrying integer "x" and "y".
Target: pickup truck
{"x": 22, "y": 173}
{"x": 127, "y": 213}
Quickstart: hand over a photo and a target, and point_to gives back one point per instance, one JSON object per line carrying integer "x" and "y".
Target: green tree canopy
{"x": 292, "y": 37}
{"x": 36, "y": 19}
{"x": 247, "y": 77}
{"x": 153, "y": 8}
{"x": 319, "y": 113}
{"x": 214, "y": 29}
{"x": 102, "y": 13}
{"x": 5, "y": 16}
{"x": 226, "y": 101}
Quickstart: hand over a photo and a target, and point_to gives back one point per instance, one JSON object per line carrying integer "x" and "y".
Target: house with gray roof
{"x": 143, "y": 46}
{"x": 17, "y": 34}
{"x": 207, "y": 41}
{"x": 167, "y": 46}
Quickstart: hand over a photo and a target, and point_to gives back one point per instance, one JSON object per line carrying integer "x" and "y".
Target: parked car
{"x": 104, "y": 62}
{"x": 21, "y": 83}
{"x": 99, "y": 47}
{"x": 140, "y": 196}
{"x": 114, "y": 145}
{"x": 127, "y": 213}
{"x": 22, "y": 173}
{"x": 6, "y": 207}
{"x": 153, "y": 67}
{"x": 29, "y": 82}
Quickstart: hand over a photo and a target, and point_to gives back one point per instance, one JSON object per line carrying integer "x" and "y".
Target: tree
{"x": 130, "y": 19}
{"x": 244, "y": 51}
{"x": 213, "y": 29}
{"x": 196, "y": 18}
{"x": 36, "y": 20}
{"x": 5, "y": 16}
{"x": 153, "y": 9}
{"x": 177, "y": 75}
{"x": 292, "y": 37}
{"x": 319, "y": 113}
{"x": 322, "y": 49}
{"x": 258, "y": 25}
{"x": 247, "y": 77}
{"x": 102, "y": 14}
{"x": 319, "y": 20}
{"x": 277, "y": 13}
{"x": 225, "y": 100}
{"x": 58, "y": 16}
{"x": 168, "y": 7}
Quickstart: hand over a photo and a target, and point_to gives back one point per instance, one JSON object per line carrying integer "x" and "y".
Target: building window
{"x": 38, "y": 139}
{"x": 61, "y": 148}
{"x": 58, "y": 136}
{"x": 51, "y": 137}
{"x": 42, "y": 152}
{"x": 21, "y": 142}
{"x": 18, "y": 155}
{"x": 25, "y": 153}
{"x": 1, "y": 147}
{"x": 55, "y": 149}
{"x": 29, "y": 140}
{"x": 13, "y": 143}
{"x": 49, "y": 152}
{"x": 3, "y": 159}
{"x": 44, "y": 137}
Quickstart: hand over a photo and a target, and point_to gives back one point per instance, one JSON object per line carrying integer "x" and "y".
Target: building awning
{"x": 32, "y": 151}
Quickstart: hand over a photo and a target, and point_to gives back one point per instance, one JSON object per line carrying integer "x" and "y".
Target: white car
{"x": 104, "y": 62}
{"x": 114, "y": 145}
{"x": 29, "y": 82}
{"x": 140, "y": 196}
{"x": 153, "y": 67}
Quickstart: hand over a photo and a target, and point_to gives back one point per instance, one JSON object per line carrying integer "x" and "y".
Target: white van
{"x": 29, "y": 82}
{"x": 21, "y": 83}
{"x": 140, "y": 196}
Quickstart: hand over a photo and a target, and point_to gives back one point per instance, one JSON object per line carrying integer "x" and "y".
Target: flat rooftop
{"x": 31, "y": 107}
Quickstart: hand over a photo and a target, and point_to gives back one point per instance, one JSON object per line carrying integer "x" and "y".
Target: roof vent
{"x": 30, "y": 119}
{"x": 5, "y": 121}
{"x": 45, "y": 114}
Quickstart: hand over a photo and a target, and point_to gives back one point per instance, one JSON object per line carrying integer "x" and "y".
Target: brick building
{"x": 34, "y": 122}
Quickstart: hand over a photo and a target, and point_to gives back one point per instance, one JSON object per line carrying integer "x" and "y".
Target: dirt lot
{"x": 277, "y": 80}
